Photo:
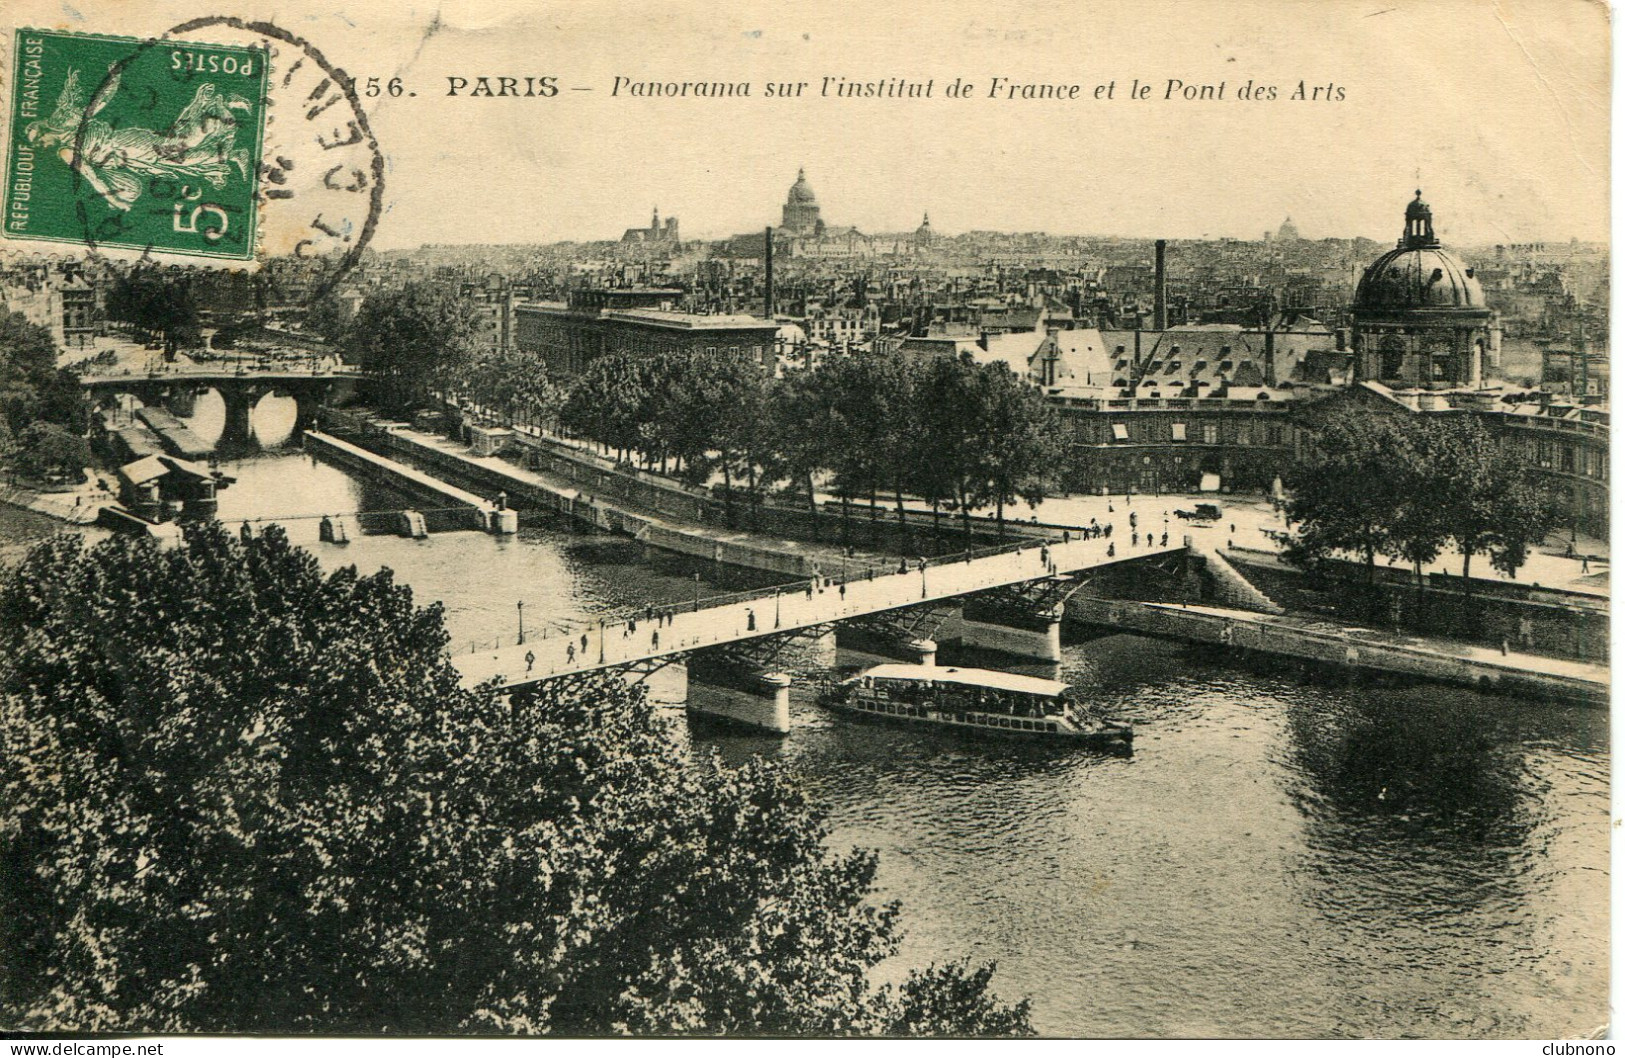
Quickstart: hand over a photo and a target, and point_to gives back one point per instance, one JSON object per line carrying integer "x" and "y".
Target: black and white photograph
{"x": 587, "y": 519}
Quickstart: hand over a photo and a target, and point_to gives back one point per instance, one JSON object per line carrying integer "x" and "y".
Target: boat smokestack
{"x": 1159, "y": 316}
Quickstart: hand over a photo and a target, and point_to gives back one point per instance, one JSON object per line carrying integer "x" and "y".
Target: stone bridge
{"x": 177, "y": 390}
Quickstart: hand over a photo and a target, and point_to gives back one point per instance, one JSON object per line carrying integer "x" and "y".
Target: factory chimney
{"x": 1159, "y": 318}
{"x": 767, "y": 299}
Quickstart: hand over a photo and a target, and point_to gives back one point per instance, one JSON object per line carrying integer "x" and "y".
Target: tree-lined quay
{"x": 956, "y": 434}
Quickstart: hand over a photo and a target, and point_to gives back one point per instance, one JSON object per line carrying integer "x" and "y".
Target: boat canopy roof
{"x": 998, "y": 681}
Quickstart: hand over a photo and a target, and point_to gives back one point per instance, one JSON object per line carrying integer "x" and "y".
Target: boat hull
{"x": 984, "y": 725}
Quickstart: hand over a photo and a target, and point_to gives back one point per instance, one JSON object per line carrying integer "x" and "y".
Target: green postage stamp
{"x": 153, "y": 145}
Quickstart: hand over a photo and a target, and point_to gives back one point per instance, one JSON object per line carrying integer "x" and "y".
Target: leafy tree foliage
{"x": 511, "y": 383}
{"x": 32, "y": 388}
{"x": 45, "y": 449}
{"x": 949, "y": 430}
{"x": 1486, "y": 502}
{"x": 412, "y": 341}
{"x": 158, "y": 305}
{"x": 244, "y": 796}
{"x": 1408, "y": 486}
{"x": 1347, "y": 494}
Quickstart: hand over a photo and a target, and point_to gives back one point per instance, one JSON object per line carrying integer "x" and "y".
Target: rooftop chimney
{"x": 1159, "y": 318}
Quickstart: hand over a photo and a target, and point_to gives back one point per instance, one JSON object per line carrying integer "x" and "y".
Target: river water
{"x": 1281, "y": 855}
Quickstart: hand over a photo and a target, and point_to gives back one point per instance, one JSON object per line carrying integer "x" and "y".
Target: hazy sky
{"x": 1498, "y": 110}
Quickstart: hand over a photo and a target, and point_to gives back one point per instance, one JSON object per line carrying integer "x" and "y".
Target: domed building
{"x": 1420, "y": 320}
{"x": 801, "y": 213}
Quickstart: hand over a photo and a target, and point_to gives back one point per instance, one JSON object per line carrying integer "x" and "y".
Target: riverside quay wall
{"x": 1347, "y": 650}
{"x": 1527, "y": 618}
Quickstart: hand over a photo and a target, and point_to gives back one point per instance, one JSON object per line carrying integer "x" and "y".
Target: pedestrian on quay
{"x": 1165, "y": 538}
{"x": 583, "y": 642}
{"x": 1133, "y": 520}
{"x": 1111, "y": 550}
{"x": 1134, "y": 541}
{"x": 1585, "y": 564}
{"x": 570, "y": 653}
{"x": 654, "y": 641}
{"x": 530, "y": 661}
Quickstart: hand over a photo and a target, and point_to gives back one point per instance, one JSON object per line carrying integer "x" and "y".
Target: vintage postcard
{"x": 812, "y": 520}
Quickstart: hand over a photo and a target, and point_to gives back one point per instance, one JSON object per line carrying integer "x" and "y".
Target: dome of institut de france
{"x": 1418, "y": 273}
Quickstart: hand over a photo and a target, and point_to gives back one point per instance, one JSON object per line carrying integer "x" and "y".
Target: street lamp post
{"x": 521, "y": 622}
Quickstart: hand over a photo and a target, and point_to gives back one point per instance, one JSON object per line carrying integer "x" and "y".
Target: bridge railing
{"x": 854, "y": 571}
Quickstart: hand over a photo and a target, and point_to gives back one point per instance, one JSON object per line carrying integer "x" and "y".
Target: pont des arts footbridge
{"x": 748, "y": 646}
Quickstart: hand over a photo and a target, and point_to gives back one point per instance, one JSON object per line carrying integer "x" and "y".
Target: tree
{"x": 411, "y": 342}
{"x": 46, "y": 449}
{"x": 1016, "y": 439}
{"x": 609, "y": 403}
{"x": 949, "y": 403}
{"x": 32, "y": 388}
{"x": 1347, "y": 494}
{"x": 158, "y": 305}
{"x": 512, "y": 383}
{"x": 1487, "y": 502}
{"x": 242, "y": 796}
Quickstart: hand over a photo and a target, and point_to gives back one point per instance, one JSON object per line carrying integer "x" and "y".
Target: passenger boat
{"x": 979, "y": 700}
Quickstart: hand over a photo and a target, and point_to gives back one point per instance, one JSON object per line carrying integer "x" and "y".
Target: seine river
{"x": 1279, "y": 856}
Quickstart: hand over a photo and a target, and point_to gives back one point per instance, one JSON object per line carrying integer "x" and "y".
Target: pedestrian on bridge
{"x": 1111, "y": 550}
{"x": 750, "y": 620}
{"x": 1134, "y": 540}
{"x": 583, "y": 642}
{"x": 530, "y": 661}
{"x": 570, "y": 653}
{"x": 1165, "y": 538}
{"x": 654, "y": 640}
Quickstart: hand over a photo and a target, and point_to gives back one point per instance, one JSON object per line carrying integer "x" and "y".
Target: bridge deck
{"x": 617, "y": 646}
{"x": 201, "y": 374}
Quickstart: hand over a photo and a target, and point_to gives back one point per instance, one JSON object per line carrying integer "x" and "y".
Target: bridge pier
{"x": 1019, "y": 619}
{"x": 182, "y": 401}
{"x": 1038, "y": 637}
{"x": 307, "y": 410}
{"x": 239, "y": 427}
{"x": 759, "y": 700}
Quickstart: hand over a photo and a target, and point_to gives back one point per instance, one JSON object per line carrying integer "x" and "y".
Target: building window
{"x": 1210, "y": 435}
{"x": 1179, "y": 431}
{"x": 1272, "y": 435}
{"x": 1119, "y": 431}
